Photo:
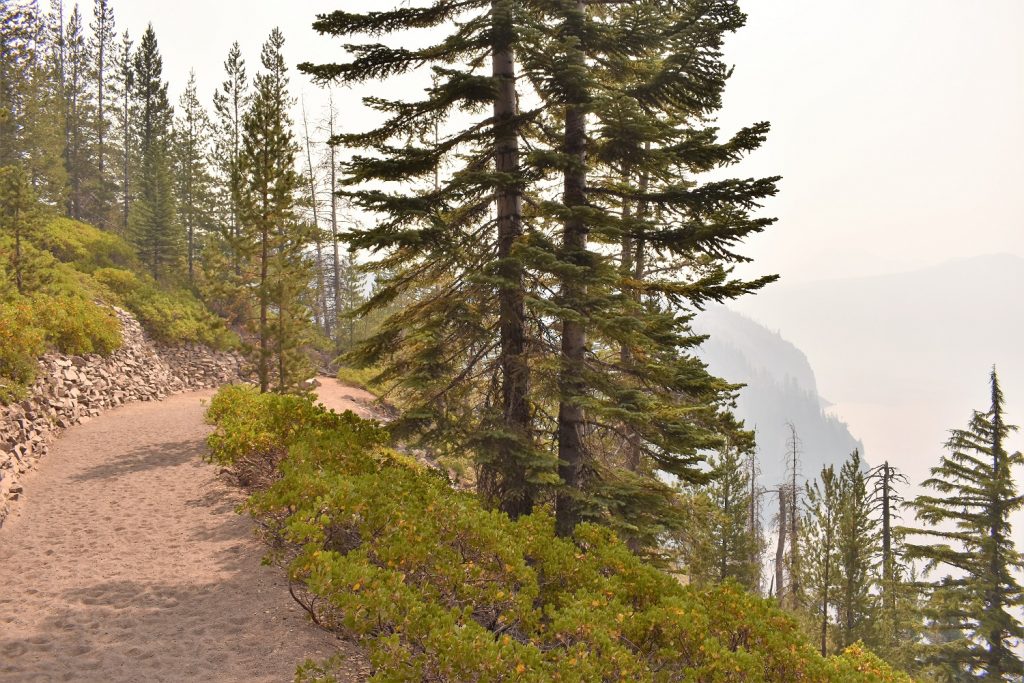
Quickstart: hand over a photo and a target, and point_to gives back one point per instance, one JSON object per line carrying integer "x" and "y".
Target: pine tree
{"x": 152, "y": 219}
{"x": 79, "y": 113}
{"x": 462, "y": 242}
{"x": 633, "y": 111}
{"x": 18, "y": 53}
{"x": 230, "y": 102}
{"x": 223, "y": 282}
{"x": 17, "y": 217}
{"x": 858, "y": 550}
{"x": 452, "y": 244}
{"x": 971, "y": 610}
{"x": 736, "y": 552}
{"x": 193, "y": 180}
{"x": 794, "y": 596}
{"x": 31, "y": 112}
{"x": 320, "y": 315}
{"x": 102, "y": 48}
{"x": 819, "y": 549}
{"x": 899, "y": 617}
{"x": 352, "y": 298}
{"x": 123, "y": 87}
{"x": 267, "y": 219}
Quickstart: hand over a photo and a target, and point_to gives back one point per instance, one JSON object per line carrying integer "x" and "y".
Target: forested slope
{"x": 57, "y": 290}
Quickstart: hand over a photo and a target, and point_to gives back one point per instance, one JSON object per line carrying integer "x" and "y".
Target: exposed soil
{"x": 127, "y": 562}
{"x": 341, "y": 397}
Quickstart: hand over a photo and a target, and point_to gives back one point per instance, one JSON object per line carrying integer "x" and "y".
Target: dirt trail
{"x": 341, "y": 397}
{"x": 127, "y": 562}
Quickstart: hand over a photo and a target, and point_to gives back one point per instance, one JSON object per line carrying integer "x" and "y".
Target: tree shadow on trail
{"x": 150, "y": 457}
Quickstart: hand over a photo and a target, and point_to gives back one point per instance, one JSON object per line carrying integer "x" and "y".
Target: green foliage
{"x": 71, "y": 273}
{"x": 85, "y": 247}
{"x": 443, "y": 589}
{"x": 971, "y": 609}
{"x": 363, "y": 378}
{"x": 32, "y": 325}
{"x": 736, "y": 546}
{"x": 20, "y": 343}
{"x": 275, "y": 241}
{"x": 170, "y": 316}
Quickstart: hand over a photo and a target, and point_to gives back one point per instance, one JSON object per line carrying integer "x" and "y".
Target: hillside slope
{"x": 905, "y": 356}
{"x": 57, "y": 285}
{"x": 781, "y": 388}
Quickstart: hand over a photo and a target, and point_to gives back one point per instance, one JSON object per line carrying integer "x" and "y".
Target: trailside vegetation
{"x": 71, "y": 274}
{"x": 440, "y": 588}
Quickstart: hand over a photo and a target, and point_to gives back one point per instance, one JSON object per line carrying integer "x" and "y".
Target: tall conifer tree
{"x": 267, "y": 217}
{"x": 737, "y": 548}
{"x": 452, "y": 241}
{"x": 820, "y": 552}
{"x": 973, "y": 608}
{"x": 153, "y": 220}
{"x": 230, "y": 102}
{"x": 858, "y": 558}
{"x": 633, "y": 85}
{"x": 123, "y": 87}
{"x": 102, "y": 47}
{"x": 79, "y": 113}
{"x": 193, "y": 180}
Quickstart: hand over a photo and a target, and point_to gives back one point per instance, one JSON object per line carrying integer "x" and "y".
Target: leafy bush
{"x": 86, "y": 247}
{"x": 443, "y": 589}
{"x": 20, "y": 343}
{"x": 29, "y": 326}
{"x": 169, "y": 316}
{"x": 75, "y": 326}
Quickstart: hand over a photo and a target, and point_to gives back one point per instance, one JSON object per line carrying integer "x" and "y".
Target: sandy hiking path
{"x": 340, "y": 397}
{"x": 127, "y": 562}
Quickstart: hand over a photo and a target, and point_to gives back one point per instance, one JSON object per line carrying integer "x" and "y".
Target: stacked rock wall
{"x": 73, "y": 389}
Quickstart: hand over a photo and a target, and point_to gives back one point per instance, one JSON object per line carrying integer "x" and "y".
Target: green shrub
{"x": 442, "y": 589}
{"x": 20, "y": 343}
{"x": 30, "y": 326}
{"x": 170, "y": 316}
{"x": 75, "y": 326}
{"x": 86, "y": 247}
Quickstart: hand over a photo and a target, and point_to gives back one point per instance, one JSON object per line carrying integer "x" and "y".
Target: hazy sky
{"x": 898, "y": 125}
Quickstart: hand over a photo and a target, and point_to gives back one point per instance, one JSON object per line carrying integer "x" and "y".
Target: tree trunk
{"x": 320, "y": 310}
{"x": 515, "y": 493}
{"x": 571, "y": 455}
{"x": 780, "y": 549}
{"x": 264, "y": 367}
{"x": 825, "y": 591}
{"x": 334, "y": 217}
{"x": 17, "y": 246}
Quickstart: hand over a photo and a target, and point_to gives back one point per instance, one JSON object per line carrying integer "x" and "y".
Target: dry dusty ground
{"x": 127, "y": 562}
{"x": 341, "y": 397}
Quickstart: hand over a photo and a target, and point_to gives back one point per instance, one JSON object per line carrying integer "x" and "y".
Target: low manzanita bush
{"x": 442, "y": 589}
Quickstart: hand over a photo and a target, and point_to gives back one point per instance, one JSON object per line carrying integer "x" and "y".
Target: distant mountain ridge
{"x": 905, "y": 356}
{"x": 780, "y": 388}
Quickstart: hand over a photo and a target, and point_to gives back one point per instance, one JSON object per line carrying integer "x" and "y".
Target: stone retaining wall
{"x": 74, "y": 389}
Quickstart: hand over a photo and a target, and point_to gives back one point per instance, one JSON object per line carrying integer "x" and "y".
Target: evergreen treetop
{"x": 972, "y": 607}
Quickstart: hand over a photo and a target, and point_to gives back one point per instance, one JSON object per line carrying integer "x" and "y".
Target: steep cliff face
{"x": 780, "y": 388}
{"x": 73, "y": 389}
